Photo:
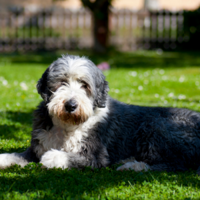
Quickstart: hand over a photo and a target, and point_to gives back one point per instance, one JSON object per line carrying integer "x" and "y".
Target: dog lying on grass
{"x": 77, "y": 124}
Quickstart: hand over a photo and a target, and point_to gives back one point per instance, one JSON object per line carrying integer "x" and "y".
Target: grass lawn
{"x": 143, "y": 78}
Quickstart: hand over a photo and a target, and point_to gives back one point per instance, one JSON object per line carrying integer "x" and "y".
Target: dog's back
{"x": 166, "y": 138}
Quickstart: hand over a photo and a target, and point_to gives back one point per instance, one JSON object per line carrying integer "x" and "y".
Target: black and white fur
{"x": 79, "y": 125}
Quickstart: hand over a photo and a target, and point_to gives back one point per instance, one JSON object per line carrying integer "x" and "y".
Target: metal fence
{"x": 66, "y": 29}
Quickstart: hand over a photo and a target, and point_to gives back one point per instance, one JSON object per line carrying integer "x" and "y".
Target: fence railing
{"x": 66, "y": 29}
{"x": 162, "y": 29}
{"x": 45, "y": 29}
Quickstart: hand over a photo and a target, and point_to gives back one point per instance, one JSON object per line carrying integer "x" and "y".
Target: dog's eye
{"x": 84, "y": 86}
{"x": 64, "y": 83}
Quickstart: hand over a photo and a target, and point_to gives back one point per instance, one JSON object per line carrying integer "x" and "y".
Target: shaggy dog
{"x": 77, "y": 124}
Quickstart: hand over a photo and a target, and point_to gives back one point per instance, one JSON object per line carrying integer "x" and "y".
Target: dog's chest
{"x": 66, "y": 137}
{"x": 61, "y": 139}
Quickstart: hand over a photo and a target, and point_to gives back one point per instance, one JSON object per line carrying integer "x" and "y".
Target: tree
{"x": 100, "y": 10}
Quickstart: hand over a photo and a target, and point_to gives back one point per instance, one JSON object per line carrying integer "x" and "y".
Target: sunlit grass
{"x": 142, "y": 78}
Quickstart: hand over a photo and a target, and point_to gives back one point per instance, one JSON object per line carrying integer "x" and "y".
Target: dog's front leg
{"x": 8, "y": 159}
{"x": 61, "y": 159}
{"x": 22, "y": 159}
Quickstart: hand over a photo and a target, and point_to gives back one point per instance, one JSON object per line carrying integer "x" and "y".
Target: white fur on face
{"x": 72, "y": 79}
{"x": 75, "y": 69}
{"x": 69, "y": 91}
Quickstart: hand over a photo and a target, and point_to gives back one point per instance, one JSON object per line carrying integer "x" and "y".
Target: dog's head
{"x": 73, "y": 87}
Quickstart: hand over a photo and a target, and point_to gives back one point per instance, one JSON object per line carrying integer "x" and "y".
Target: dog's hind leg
{"x": 135, "y": 165}
{"x": 140, "y": 166}
{"x": 22, "y": 159}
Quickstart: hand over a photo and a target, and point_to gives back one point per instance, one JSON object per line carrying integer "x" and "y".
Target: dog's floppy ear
{"x": 102, "y": 92}
{"x": 42, "y": 86}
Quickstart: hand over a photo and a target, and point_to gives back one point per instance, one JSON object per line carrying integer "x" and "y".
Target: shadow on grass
{"x": 56, "y": 183}
{"x": 138, "y": 59}
{"x": 18, "y": 149}
{"x": 15, "y": 124}
{"x": 19, "y": 116}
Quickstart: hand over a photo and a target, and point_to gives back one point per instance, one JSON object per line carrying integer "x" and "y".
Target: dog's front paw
{"x": 8, "y": 159}
{"x": 55, "y": 158}
{"x": 136, "y": 166}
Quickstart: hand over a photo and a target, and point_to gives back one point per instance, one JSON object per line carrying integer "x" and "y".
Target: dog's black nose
{"x": 71, "y": 105}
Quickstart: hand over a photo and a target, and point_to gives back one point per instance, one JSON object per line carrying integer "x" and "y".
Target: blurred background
{"x": 126, "y": 25}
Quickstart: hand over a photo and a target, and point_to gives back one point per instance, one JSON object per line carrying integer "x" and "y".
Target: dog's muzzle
{"x": 71, "y": 105}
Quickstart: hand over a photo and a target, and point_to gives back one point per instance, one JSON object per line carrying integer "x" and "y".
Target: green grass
{"x": 143, "y": 78}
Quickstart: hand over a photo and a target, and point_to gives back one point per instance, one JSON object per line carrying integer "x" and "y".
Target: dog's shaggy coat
{"x": 79, "y": 125}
